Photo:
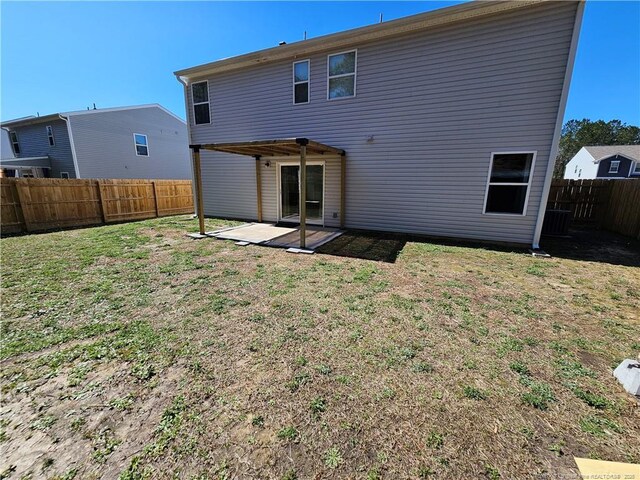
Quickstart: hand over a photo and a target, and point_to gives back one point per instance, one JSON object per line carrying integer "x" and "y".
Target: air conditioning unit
{"x": 556, "y": 222}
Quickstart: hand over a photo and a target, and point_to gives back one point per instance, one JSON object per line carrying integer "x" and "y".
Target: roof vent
{"x": 282, "y": 43}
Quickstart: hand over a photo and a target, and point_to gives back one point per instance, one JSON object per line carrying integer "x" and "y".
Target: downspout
{"x": 185, "y": 87}
{"x": 555, "y": 143}
{"x": 67, "y": 120}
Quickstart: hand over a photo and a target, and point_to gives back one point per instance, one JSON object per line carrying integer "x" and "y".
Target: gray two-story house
{"x": 145, "y": 141}
{"x": 443, "y": 124}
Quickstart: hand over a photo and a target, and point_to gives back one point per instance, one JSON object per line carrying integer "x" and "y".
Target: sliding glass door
{"x": 290, "y": 193}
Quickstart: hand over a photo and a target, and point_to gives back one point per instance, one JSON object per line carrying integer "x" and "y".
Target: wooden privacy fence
{"x": 610, "y": 204}
{"x": 37, "y": 204}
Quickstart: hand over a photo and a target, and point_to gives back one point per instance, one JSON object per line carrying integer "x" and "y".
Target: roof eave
{"x": 30, "y": 121}
{"x": 356, "y": 36}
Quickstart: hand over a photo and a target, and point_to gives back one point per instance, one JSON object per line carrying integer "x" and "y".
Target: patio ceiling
{"x": 271, "y": 148}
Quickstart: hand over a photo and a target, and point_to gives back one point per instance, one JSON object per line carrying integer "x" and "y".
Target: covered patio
{"x": 299, "y": 148}
{"x": 37, "y": 167}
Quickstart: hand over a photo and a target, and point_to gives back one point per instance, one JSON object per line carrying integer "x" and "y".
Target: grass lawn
{"x": 130, "y": 351}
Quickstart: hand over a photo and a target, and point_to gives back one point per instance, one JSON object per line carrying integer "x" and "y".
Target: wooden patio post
{"x": 303, "y": 191}
{"x": 343, "y": 170}
{"x": 198, "y": 175}
{"x": 259, "y": 187}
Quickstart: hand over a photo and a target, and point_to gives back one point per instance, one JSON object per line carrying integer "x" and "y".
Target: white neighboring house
{"x": 606, "y": 162}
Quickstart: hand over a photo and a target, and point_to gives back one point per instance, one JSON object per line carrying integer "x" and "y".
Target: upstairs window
{"x": 615, "y": 165}
{"x": 200, "y": 92}
{"x": 509, "y": 182}
{"x": 637, "y": 168}
{"x": 52, "y": 140}
{"x": 341, "y": 76}
{"x": 13, "y": 136}
{"x": 142, "y": 147}
{"x": 301, "y": 82}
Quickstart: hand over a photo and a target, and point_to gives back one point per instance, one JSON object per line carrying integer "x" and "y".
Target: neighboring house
{"x": 611, "y": 161}
{"x": 145, "y": 141}
{"x": 449, "y": 122}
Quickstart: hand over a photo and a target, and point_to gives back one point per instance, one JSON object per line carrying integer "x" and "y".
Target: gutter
{"x": 67, "y": 120}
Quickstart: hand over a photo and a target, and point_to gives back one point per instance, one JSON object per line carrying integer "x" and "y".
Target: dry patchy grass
{"x": 132, "y": 352}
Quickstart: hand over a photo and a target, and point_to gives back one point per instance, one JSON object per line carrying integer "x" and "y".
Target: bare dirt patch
{"x": 92, "y": 429}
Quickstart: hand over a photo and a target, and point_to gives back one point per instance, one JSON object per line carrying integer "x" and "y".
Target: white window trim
{"x": 635, "y": 169}
{"x": 62, "y": 174}
{"x": 355, "y": 75}
{"x": 519, "y": 184}
{"x": 307, "y": 81}
{"x": 50, "y": 136}
{"x": 617, "y": 165}
{"x": 193, "y": 103}
{"x": 135, "y": 144}
{"x": 13, "y": 144}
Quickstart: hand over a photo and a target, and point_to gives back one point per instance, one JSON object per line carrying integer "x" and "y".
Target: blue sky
{"x": 59, "y": 56}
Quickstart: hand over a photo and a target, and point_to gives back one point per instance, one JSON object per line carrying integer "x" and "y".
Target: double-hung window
{"x": 301, "y": 82}
{"x": 509, "y": 182}
{"x": 200, "y": 94}
{"x": 13, "y": 136}
{"x": 614, "y": 166}
{"x": 341, "y": 75}
{"x": 142, "y": 146}
{"x": 52, "y": 140}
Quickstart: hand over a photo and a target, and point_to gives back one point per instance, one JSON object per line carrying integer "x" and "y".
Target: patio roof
{"x": 25, "y": 162}
{"x": 271, "y": 148}
{"x": 300, "y": 147}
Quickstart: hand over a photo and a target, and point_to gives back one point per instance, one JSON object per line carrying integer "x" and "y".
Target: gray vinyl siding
{"x": 105, "y": 146}
{"x": 623, "y": 169}
{"x": 34, "y": 142}
{"x": 437, "y": 102}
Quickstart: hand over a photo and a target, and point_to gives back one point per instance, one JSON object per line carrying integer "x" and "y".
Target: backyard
{"x": 130, "y": 351}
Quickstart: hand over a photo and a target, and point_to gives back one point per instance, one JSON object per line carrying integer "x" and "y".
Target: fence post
{"x": 25, "y": 205}
{"x": 155, "y": 197}
{"x": 103, "y": 203}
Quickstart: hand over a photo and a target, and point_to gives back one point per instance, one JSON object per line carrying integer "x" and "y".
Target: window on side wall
{"x": 52, "y": 141}
{"x": 200, "y": 94}
{"x": 142, "y": 147}
{"x": 615, "y": 165}
{"x": 637, "y": 168}
{"x": 13, "y": 136}
{"x": 64, "y": 174}
{"x": 341, "y": 77}
{"x": 301, "y": 82}
{"x": 509, "y": 182}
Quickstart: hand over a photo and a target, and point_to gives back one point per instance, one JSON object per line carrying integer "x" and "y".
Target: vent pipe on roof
{"x": 305, "y": 35}
{"x": 380, "y": 17}
{"x": 282, "y": 43}
{"x": 94, "y": 106}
